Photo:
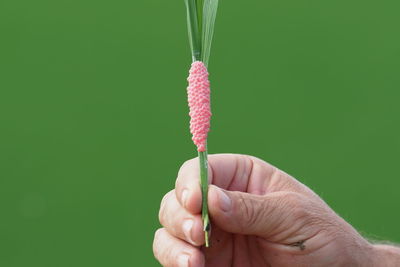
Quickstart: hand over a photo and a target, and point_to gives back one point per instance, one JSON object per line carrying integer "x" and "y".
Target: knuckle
{"x": 163, "y": 206}
{"x": 183, "y": 168}
{"x": 156, "y": 242}
{"x": 186, "y": 164}
{"x": 161, "y": 216}
{"x": 163, "y": 251}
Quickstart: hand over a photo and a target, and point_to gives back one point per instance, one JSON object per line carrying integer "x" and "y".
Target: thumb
{"x": 249, "y": 214}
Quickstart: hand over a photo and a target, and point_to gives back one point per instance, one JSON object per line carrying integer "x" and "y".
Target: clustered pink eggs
{"x": 199, "y": 104}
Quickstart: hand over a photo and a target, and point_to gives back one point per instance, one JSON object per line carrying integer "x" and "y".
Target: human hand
{"x": 260, "y": 216}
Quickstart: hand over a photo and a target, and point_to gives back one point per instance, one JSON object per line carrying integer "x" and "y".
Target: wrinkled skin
{"x": 260, "y": 216}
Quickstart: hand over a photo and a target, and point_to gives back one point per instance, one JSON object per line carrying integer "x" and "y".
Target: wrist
{"x": 386, "y": 256}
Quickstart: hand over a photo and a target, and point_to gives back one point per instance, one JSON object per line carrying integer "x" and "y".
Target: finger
{"x": 264, "y": 216}
{"x": 228, "y": 171}
{"x": 173, "y": 252}
{"x": 179, "y": 222}
{"x": 187, "y": 186}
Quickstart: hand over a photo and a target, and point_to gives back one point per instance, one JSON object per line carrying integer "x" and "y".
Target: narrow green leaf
{"x": 193, "y": 29}
{"x": 200, "y": 8}
{"x": 209, "y": 15}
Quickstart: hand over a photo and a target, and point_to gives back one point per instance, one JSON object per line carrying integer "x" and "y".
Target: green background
{"x": 94, "y": 124}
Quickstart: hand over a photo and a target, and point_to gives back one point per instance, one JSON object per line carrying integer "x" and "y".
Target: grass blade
{"x": 193, "y": 29}
{"x": 209, "y": 16}
{"x": 200, "y": 8}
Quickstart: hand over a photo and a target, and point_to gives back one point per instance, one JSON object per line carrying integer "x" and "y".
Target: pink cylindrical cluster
{"x": 199, "y": 104}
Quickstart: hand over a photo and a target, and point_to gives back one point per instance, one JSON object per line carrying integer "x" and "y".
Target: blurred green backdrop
{"x": 94, "y": 124}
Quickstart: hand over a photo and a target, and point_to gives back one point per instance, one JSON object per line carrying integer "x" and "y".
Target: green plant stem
{"x": 204, "y": 192}
{"x": 201, "y": 19}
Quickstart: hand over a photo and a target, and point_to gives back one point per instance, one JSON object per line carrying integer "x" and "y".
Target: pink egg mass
{"x": 199, "y": 104}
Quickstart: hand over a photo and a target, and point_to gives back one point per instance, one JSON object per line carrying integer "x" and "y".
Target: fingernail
{"x": 225, "y": 202}
{"x": 183, "y": 260}
{"x": 187, "y": 230}
{"x": 185, "y": 194}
